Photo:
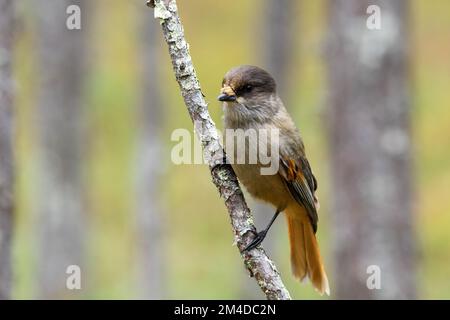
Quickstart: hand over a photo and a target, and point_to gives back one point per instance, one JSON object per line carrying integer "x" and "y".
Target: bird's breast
{"x": 250, "y": 152}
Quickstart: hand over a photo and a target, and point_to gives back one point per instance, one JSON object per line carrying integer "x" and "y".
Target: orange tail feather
{"x": 305, "y": 254}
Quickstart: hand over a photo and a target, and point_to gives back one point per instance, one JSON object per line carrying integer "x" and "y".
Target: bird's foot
{"x": 256, "y": 241}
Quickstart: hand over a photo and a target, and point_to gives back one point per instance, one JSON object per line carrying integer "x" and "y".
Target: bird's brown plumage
{"x": 251, "y": 102}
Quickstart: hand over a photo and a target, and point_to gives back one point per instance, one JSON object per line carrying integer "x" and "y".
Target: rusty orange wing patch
{"x": 301, "y": 183}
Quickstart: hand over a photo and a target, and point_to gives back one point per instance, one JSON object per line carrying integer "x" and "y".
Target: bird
{"x": 251, "y": 104}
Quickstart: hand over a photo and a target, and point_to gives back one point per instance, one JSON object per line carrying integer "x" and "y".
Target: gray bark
{"x": 248, "y": 288}
{"x": 60, "y": 209}
{"x": 150, "y": 219}
{"x": 224, "y": 178}
{"x": 370, "y": 148}
{"x": 6, "y": 152}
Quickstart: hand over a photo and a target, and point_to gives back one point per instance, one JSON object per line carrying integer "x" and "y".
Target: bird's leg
{"x": 262, "y": 234}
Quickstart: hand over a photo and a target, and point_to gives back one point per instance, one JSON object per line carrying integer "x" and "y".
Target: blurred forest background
{"x": 93, "y": 113}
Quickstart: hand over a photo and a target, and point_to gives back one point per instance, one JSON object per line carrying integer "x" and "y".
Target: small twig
{"x": 257, "y": 262}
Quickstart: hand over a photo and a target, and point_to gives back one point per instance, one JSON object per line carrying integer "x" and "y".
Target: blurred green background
{"x": 200, "y": 260}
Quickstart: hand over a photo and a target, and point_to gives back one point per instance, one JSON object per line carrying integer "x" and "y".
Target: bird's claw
{"x": 256, "y": 241}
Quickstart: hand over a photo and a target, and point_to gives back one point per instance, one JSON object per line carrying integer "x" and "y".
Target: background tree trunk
{"x": 6, "y": 153}
{"x": 370, "y": 149}
{"x": 60, "y": 209}
{"x": 149, "y": 168}
{"x": 279, "y": 40}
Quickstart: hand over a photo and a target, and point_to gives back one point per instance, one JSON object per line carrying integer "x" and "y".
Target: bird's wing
{"x": 301, "y": 183}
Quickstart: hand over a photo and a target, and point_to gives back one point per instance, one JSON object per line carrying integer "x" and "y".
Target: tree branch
{"x": 223, "y": 176}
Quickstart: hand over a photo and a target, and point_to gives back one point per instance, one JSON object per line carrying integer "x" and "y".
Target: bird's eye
{"x": 248, "y": 88}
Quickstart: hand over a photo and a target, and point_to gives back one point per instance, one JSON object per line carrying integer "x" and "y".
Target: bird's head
{"x": 248, "y": 86}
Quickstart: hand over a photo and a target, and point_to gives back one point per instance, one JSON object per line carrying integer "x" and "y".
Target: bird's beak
{"x": 227, "y": 94}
